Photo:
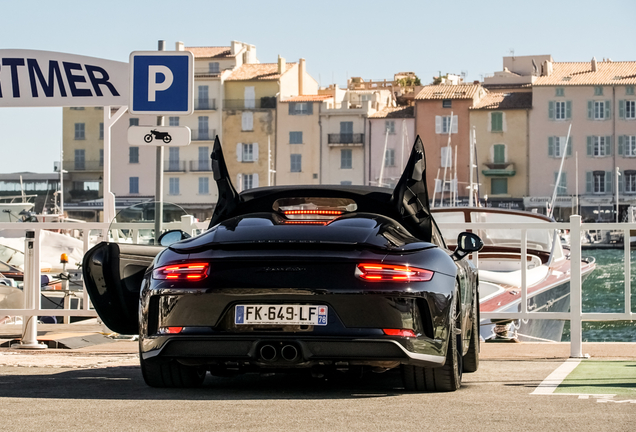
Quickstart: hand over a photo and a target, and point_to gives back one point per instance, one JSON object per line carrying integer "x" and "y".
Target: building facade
{"x": 500, "y": 123}
{"x": 597, "y": 99}
{"x": 391, "y": 137}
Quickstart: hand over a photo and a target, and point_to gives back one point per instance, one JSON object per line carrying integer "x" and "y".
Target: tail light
{"x": 399, "y": 332}
{"x": 170, "y": 330}
{"x": 392, "y": 273}
{"x": 189, "y": 271}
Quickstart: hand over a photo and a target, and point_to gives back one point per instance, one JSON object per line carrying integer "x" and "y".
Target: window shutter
{"x": 621, "y": 109}
{"x": 568, "y": 110}
{"x": 621, "y": 139}
{"x": 588, "y": 182}
{"x": 491, "y": 119}
{"x": 503, "y": 122}
{"x": 255, "y": 180}
{"x": 551, "y": 146}
{"x": 255, "y": 151}
{"x": 292, "y": 108}
{"x": 454, "y": 124}
{"x": 608, "y": 181}
{"x": 608, "y": 145}
{"x": 569, "y": 147}
{"x": 438, "y": 124}
{"x": 621, "y": 181}
{"x": 608, "y": 110}
{"x": 590, "y": 110}
{"x": 310, "y": 108}
{"x": 239, "y": 152}
{"x": 551, "y": 110}
{"x": 590, "y": 151}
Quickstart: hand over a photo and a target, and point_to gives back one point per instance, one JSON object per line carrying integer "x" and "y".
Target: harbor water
{"x": 603, "y": 292}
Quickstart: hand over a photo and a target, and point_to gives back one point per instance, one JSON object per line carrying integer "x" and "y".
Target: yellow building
{"x": 250, "y": 117}
{"x": 500, "y": 122}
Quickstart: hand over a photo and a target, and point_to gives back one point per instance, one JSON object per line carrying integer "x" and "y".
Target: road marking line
{"x": 550, "y": 384}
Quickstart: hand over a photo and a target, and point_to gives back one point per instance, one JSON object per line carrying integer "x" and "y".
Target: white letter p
{"x": 153, "y": 85}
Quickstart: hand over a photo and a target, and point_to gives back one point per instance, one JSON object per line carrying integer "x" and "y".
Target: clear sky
{"x": 371, "y": 39}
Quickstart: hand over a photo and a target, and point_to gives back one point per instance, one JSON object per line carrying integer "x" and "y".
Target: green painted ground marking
{"x": 601, "y": 377}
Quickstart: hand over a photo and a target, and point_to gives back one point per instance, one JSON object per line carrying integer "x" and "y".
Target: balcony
{"x": 203, "y": 134}
{"x": 506, "y": 169}
{"x": 174, "y": 166}
{"x": 262, "y": 103}
{"x": 201, "y": 165}
{"x": 204, "y": 104}
{"x": 80, "y": 165}
{"x": 348, "y": 139}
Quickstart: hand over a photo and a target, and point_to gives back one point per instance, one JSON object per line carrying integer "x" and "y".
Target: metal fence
{"x": 345, "y": 138}
{"x": 187, "y": 224}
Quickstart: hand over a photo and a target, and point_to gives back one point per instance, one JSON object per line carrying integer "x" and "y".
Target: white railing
{"x": 187, "y": 224}
{"x": 32, "y": 289}
{"x": 576, "y": 315}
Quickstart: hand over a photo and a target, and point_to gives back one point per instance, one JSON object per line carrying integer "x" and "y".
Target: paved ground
{"x": 99, "y": 387}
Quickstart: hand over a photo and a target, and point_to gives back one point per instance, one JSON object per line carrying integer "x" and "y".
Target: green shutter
{"x": 499, "y": 151}
{"x": 569, "y": 147}
{"x": 551, "y": 110}
{"x": 551, "y": 146}
{"x": 608, "y": 181}
{"x": 588, "y": 182}
{"x": 608, "y": 145}
{"x": 608, "y": 110}
{"x": 568, "y": 110}
{"x": 310, "y": 108}
{"x": 621, "y": 109}
{"x": 590, "y": 150}
{"x": 292, "y": 108}
{"x": 621, "y": 139}
{"x": 590, "y": 110}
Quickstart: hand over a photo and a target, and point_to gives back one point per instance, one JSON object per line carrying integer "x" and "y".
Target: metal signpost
{"x": 161, "y": 83}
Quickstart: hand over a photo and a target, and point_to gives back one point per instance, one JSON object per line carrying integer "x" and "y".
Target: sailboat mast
{"x": 558, "y": 179}
{"x": 447, "y": 160}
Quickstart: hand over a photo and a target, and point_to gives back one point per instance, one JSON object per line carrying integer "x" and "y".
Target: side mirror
{"x": 467, "y": 243}
{"x": 172, "y": 236}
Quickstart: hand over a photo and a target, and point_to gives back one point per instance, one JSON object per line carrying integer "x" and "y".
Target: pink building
{"x": 392, "y": 129}
{"x": 597, "y": 99}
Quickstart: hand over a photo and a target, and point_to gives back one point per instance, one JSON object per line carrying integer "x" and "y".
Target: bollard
{"x": 31, "y": 290}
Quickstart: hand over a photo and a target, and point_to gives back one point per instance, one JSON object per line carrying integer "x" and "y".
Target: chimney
{"x": 282, "y": 65}
{"x": 594, "y": 68}
{"x": 546, "y": 68}
{"x": 178, "y": 46}
{"x": 235, "y": 46}
{"x": 301, "y": 76}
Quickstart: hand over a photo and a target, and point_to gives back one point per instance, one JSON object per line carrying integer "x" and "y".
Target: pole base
{"x": 36, "y": 345}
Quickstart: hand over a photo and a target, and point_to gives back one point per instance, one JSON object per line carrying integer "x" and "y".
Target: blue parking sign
{"x": 161, "y": 82}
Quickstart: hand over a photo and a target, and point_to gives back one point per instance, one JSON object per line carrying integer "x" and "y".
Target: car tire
{"x": 171, "y": 374}
{"x": 441, "y": 379}
{"x": 471, "y": 359}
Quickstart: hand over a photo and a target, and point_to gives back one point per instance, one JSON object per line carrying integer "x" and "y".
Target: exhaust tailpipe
{"x": 289, "y": 353}
{"x": 268, "y": 353}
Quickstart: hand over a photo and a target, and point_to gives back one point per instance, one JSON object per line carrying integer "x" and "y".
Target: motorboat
{"x": 499, "y": 268}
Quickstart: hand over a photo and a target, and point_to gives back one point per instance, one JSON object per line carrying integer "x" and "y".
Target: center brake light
{"x": 189, "y": 271}
{"x": 392, "y": 273}
{"x": 314, "y": 212}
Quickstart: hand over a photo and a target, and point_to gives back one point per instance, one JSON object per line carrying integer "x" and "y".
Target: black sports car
{"x": 320, "y": 277}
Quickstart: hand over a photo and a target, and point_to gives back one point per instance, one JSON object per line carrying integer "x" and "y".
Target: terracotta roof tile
{"x": 257, "y": 71}
{"x": 209, "y": 52}
{"x": 461, "y": 91}
{"x": 580, "y": 73}
{"x": 395, "y": 112}
{"x": 516, "y": 100}
{"x": 308, "y": 98}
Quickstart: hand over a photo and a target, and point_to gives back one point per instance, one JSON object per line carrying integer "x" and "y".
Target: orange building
{"x": 440, "y": 109}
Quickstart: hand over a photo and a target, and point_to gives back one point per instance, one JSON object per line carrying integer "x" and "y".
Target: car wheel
{"x": 471, "y": 359}
{"x": 446, "y": 378}
{"x": 171, "y": 374}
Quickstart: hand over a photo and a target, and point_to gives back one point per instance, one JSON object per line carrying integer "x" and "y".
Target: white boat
{"x": 499, "y": 264}
{"x": 10, "y": 211}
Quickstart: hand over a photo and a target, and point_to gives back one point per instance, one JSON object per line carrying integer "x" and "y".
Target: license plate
{"x": 281, "y": 314}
